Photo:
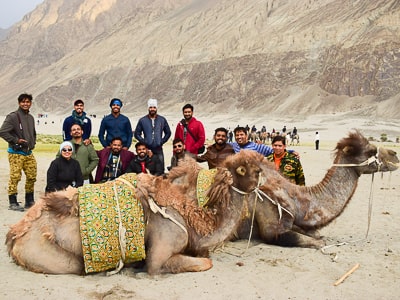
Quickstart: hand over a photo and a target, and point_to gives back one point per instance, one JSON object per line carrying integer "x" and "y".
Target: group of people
{"x": 77, "y": 157}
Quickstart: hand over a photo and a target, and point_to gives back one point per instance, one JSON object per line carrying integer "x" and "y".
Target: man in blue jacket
{"x": 115, "y": 125}
{"x": 153, "y": 130}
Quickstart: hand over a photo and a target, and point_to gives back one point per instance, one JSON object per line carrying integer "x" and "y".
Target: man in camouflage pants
{"x": 19, "y": 131}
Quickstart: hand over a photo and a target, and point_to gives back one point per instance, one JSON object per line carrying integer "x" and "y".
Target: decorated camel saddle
{"x": 111, "y": 224}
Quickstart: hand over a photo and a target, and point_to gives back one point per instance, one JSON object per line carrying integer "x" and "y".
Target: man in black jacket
{"x": 19, "y": 131}
{"x": 143, "y": 162}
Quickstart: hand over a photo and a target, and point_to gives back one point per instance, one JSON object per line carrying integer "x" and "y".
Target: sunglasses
{"x": 66, "y": 150}
{"x": 178, "y": 146}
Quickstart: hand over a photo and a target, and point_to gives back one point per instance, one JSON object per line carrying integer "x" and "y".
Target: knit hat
{"x": 152, "y": 103}
{"x": 66, "y": 144}
{"x": 116, "y": 101}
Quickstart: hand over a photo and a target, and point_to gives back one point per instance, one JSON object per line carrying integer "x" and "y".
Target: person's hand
{"x": 87, "y": 142}
{"x": 149, "y": 153}
{"x": 297, "y": 154}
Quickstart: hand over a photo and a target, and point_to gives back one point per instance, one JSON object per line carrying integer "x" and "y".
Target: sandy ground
{"x": 262, "y": 271}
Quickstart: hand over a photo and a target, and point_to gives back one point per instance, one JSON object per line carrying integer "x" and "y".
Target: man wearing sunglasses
{"x": 178, "y": 153}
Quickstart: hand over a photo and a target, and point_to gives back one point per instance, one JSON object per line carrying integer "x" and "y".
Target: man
{"x": 115, "y": 124}
{"x": 191, "y": 131}
{"x": 143, "y": 162}
{"x": 286, "y": 163}
{"x": 155, "y": 130}
{"x": 242, "y": 142}
{"x": 19, "y": 131}
{"x": 78, "y": 117}
{"x": 178, "y": 152}
{"x": 84, "y": 154}
{"x": 217, "y": 152}
{"x": 316, "y": 139}
{"x": 113, "y": 161}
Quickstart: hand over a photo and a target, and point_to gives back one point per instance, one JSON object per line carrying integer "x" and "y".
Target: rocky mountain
{"x": 262, "y": 56}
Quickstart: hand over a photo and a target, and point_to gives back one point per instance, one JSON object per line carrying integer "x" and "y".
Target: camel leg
{"x": 37, "y": 253}
{"x": 181, "y": 263}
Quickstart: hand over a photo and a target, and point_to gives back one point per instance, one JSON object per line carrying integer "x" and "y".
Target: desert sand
{"x": 259, "y": 271}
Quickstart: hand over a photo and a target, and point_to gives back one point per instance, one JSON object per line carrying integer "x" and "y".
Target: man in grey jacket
{"x": 19, "y": 131}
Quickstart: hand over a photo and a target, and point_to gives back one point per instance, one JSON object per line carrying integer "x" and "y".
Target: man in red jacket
{"x": 191, "y": 131}
{"x": 113, "y": 161}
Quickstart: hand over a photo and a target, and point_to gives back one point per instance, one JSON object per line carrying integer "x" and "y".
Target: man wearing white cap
{"x": 153, "y": 130}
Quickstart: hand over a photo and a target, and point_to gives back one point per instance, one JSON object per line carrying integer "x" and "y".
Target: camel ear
{"x": 347, "y": 149}
{"x": 241, "y": 170}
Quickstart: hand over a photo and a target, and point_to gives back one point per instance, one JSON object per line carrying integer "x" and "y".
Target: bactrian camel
{"x": 307, "y": 209}
{"x": 47, "y": 238}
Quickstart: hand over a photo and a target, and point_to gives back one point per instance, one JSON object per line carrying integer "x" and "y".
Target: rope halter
{"x": 367, "y": 162}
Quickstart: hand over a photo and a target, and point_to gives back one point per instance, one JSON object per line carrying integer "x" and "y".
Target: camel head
{"x": 367, "y": 158}
{"x": 245, "y": 169}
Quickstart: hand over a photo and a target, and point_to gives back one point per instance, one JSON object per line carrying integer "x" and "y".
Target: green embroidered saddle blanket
{"x": 101, "y": 208}
{"x": 204, "y": 180}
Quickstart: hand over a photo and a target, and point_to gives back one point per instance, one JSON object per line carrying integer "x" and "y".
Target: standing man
{"x": 78, "y": 117}
{"x": 19, "y": 131}
{"x": 217, "y": 152}
{"x": 143, "y": 162}
{"x": 113, "y": 161}
{"x": 115, "y": 125}
{"x": 316, "y": 140}
{"x": 286, "y": 163}
{"x": 84, "y": 154}
{"x": 155, "y": 130}
{"x": 191, "y": 131}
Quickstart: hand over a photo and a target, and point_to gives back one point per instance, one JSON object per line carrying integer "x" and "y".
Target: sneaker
{"x": 15, "y": 207}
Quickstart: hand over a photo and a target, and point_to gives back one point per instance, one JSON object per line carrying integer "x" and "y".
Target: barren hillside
{"x": 274, "y": 57}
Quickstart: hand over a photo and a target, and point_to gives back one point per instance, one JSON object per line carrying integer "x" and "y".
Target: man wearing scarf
{"x": 78, "y": 117}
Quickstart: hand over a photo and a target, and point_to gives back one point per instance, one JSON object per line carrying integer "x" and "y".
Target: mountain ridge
{"x": 330, "y": 56}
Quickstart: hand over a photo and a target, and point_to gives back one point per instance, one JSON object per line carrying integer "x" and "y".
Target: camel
{"x": 47, "y": 239}
{"x": 304, "y": 210}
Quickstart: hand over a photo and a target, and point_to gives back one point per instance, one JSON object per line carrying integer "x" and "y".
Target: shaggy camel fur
{"x": 313, "y": 207}
{"x": 47, "y": 239}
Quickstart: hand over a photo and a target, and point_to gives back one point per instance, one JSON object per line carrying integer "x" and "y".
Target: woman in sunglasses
{"x": 64, "y": 171}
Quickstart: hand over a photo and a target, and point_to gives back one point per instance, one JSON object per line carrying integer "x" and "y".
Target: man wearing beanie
{"x": 78, "y": 116}
{"x": 153, "y": 130}
{"x": 115, "y": 125}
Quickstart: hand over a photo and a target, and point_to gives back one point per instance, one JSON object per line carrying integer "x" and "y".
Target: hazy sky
{"x": 12, "y": 11}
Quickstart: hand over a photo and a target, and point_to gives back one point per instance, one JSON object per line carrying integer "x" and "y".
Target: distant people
{"x": 263, "y": 129}
{"x": 219, "y": 151}
{"x": 115, "y": 125}
{"x": 78, "y": 117}
{"x": 294, "y": 131}
{"x": 143, "y": 162}
{"x": 191, "y": 131}
{"x": 286, "y": 163}
{"x": 113, "y": 161}
{"x": 316, "y": 139}
{"x": 153, "y": 130}
{"x": 178, "y": 152}
{"x": 284, "y": 129}
{"x": 64, "y": 171}
{"x": 18, "y": 130}
{"x": 85, "y": 154}
{"x": 230, "y": 136}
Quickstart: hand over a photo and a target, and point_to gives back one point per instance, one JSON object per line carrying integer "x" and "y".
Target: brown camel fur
{"x": 47, "y": 238}
{"x": 314, "y": 207}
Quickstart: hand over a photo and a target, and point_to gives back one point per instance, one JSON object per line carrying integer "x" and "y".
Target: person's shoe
{"x": 29, "y": 200}
{"x": 14, "y": 203}
{"x": 15, "y": 207}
